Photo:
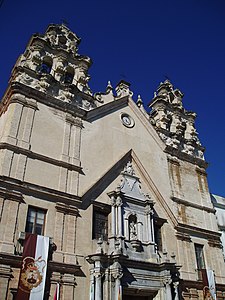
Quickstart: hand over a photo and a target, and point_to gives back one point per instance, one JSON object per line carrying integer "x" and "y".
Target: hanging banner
{"x": 34, "y": 266}
{"x": 56, "y": 296}
{"x": 209, "y": 289}
{"x": 211, "y": 283}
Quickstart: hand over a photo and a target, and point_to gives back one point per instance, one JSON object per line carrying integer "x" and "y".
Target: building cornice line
{"x": 11, "y": 195}
{"x": 194, "y": 205}
{"x": 186, "y": 157}
{"x": 26, "y": 188}
{"x": 153, "y": 188}
{"x": 197, "y": 231}
{"x": 41, "y": 157}
{"x": 16, "y": 262}
{"x": 142, "y": 117}
{"x": 42, "y": 97}
{"x": 105, "y": 109}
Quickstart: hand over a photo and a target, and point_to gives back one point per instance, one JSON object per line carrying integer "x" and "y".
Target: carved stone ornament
{"x": 173, "y": 123}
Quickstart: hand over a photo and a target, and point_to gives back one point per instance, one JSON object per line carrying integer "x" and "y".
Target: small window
{"x": 199, "y": 260}
{"x": 100, "y": 225}
{"x": 35, "y": 220}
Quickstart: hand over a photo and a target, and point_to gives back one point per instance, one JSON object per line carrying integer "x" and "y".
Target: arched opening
{"x": 68, "y": 76}
{"x": 46, "y": 65}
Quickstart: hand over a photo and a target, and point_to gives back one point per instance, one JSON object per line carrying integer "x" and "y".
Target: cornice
{"x": 198, "y": 232}
{"x": 194, "y": 205}
{"x": 15, "y": 261}
{"x": 42, "y": 97}
{"x": 199, "y": 285}
{"x": 41, "y": 157}
{"x": 145, "y": 121}
{"x": 11, "y": 195}
{"x": 42, "y": 192}
{"x": 65, "y": 268}
{"x": 186, "y": 157}
{"x": 67, "y": 209}
{"x": 105, "y": 109}
{"x": 155, "y": 190}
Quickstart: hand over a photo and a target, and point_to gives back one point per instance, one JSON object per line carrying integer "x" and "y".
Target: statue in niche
{"x": 133, "y": 227}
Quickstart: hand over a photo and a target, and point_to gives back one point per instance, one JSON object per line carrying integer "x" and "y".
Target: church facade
{"x": 121, "y": 193}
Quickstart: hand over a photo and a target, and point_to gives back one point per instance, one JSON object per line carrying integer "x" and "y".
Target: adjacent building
{"x": 121, "y": 193}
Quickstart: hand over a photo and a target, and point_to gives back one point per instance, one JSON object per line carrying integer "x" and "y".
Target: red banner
{"x": 34, "y": 266}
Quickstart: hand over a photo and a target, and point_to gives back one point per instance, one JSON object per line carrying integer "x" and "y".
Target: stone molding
{"x": 194, "y": 205}
{"x": 28, "y": 102}
{"x": 27, "y": 188}
{"x": 186, "y": 157}
{"x": 15, "y": 261}
{"x": 197, "y": 231}
{"x": 11, "y": 195}
{"x": 183, "y": 237}
{"x": 39, "y": 96}
{"x": 41, "y": 157}
{"x": 106, "y": 109}
{"x": 215, "y": 243}
{"x": 67, "y": 209}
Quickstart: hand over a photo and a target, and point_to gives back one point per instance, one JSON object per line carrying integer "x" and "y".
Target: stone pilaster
{"x": 67, "y": 289}
{"x": 5, "y": 275}
{"x": 68, "y": 181}
{"x": 65, "y": 233}
{"x": 8, "y": 224}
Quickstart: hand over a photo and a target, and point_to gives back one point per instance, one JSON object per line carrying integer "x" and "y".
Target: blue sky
{"x": 142, "y": 42}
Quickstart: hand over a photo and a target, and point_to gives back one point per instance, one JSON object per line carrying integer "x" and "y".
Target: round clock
{"x": 127, "y": 120}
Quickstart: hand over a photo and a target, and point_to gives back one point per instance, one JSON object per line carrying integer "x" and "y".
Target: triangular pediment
{"x": 129, "y": 184}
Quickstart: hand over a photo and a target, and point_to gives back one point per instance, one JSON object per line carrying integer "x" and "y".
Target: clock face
{"x": 127, "y": 120}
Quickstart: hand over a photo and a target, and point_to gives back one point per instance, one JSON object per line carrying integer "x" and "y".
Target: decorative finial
{"x": 139, "y": 101}
{"x": 109, "y": 87}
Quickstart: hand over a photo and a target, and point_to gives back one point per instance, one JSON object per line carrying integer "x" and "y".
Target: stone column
{"x": 92, "y": 285}
{"x": 113, "y": 219}
{"x": 152, "y": 226}
{"x": 148, "y": 224}
{"x": 98, "y": 280}
{"x": 106, "y": 285}
{"x": 98, "y": 286}
{"x": 119, "y": 214}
